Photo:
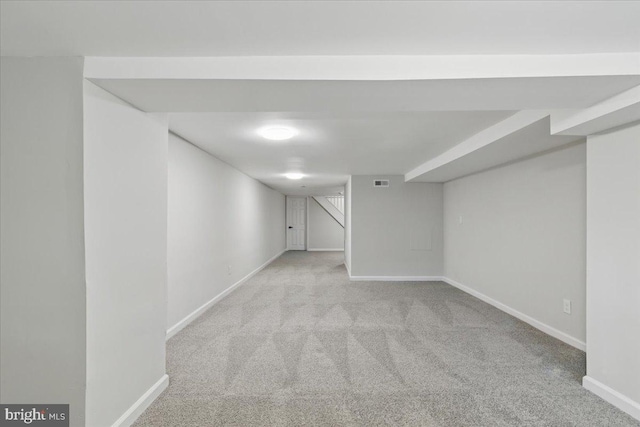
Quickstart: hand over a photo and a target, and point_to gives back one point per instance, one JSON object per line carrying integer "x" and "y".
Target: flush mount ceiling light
{"x": 277, "y": 133}
{"x": 294, "y": 175}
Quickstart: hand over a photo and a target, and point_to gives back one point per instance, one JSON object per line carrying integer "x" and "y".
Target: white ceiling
{"x": 329, "y": 147}
{"x": 373, "y": 87}
{"x": 238, "y": 28}
{"x": 353, "y": 127}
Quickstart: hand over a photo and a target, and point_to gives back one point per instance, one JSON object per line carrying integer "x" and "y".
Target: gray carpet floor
{"x": 299, "y": 344}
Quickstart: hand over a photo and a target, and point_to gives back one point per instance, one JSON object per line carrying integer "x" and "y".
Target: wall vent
{"x": 380, "y": 182}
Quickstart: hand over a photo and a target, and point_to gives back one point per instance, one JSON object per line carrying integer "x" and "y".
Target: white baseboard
{"x": 325, "y": 250}
{"x": 391, "y": 278}
{"x": 395, "y": 278}
{"x": 610, "y": 395}
{"x": 197, "y": 312}
{"x": 132, "y": 414}
{"x": 549, "y": 330}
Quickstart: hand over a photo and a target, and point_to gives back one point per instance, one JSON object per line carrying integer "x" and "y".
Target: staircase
{"x": 334, "y": 205}
{"x": 337, "y": 201}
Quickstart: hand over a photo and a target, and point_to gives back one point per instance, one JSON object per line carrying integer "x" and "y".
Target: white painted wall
{"x": 324, "y": 231}
{"x": 125, "y": 158}
{"x": 395, "y": 231}
{"x": 218, "y": 217}
{"x": 42, "y": 270}
{"x": 522, "y": 237}
{"x": 613, "y": 264}
{"x": 347, "y": 224}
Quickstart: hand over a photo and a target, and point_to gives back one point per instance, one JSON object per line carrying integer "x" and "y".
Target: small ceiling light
{"x": 277, "y": 133}
{"x": 294, "y": 175}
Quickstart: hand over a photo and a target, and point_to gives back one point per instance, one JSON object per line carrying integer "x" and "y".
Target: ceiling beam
{"x": 364, "y": 68}
{"x": 613, "y": 112}
{"x": 482, "y": 139}
{"x": 523, "y": 134}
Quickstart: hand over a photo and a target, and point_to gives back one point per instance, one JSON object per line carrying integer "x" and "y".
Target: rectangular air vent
{"x": 380, "y": 182}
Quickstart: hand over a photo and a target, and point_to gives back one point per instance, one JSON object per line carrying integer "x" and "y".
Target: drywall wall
{"x": 42, "y": 291}
{"x": 125, "y": 193}
{"x": 613, "y": 266}
{"x": 395, "y": 231}
{"x": 325, "y": 233}
{"x": 516, "y": 234}
{"x": 347, "y": 225}
{"x": 223, "y": 225}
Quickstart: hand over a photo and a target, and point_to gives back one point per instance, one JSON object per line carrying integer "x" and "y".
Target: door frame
{"x": 306, "y": 222}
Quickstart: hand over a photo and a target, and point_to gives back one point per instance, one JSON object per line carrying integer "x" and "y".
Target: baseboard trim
{"x": 395, "y": 278}
{"x": 198, "y": 312}
{"x": 608, "y": 394}
{"x": 549, "y": 330}
{"x": 325, "y": 250}
{"x": 132, "y": 414}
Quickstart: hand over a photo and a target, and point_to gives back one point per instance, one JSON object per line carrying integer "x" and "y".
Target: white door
{"x": 296, "y": 223}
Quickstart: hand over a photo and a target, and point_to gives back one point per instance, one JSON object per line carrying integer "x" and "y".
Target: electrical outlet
{"x": 229, "y": 270}
{"x": 460, "y": 219}
{"x": 566, "y": 306}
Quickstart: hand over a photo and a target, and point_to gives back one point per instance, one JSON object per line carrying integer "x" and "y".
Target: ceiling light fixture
{"x": 277, "y": 133}
{"x": 294, "y": 175}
